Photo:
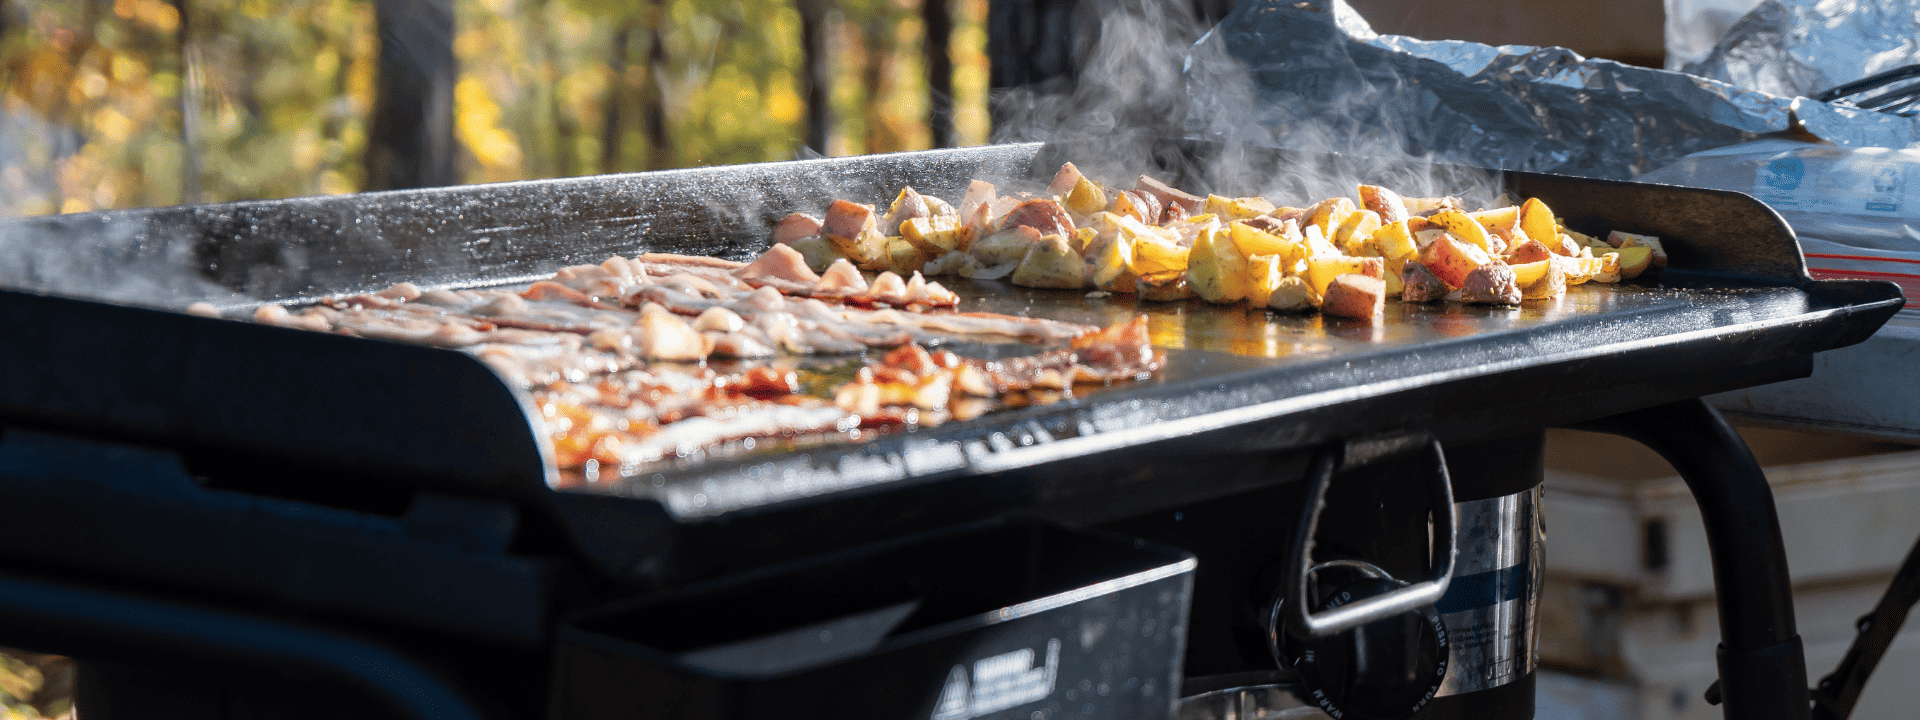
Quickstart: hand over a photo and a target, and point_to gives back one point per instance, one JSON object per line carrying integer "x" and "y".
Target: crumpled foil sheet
{"x": 1325, "y": 81}
{"x": 1801, "y": 47}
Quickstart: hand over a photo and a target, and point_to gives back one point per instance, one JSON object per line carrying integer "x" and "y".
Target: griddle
{"x": 1245, "y": 396}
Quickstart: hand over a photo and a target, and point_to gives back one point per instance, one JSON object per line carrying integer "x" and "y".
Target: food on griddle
{"x": 1355, "y": 296}
{"x": 616, "y": 355}
{"x": 1162, "y": 244}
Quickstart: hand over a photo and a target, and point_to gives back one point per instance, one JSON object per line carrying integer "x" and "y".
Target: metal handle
{"x": 1379, "y": 607}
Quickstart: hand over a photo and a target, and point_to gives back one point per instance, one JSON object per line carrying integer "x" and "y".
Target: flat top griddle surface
{"x": 1737, "y": 309}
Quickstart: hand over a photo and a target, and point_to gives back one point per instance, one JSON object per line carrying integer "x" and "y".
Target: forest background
{"x": 136, "y": 103}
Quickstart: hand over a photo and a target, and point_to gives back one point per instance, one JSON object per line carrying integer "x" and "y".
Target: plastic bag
{"x": 1856, "y": 210}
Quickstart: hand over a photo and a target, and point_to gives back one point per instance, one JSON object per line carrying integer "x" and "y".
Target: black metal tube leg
{"x": 1763, "y": 669}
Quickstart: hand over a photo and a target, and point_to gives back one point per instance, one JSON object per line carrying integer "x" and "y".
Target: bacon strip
{"x": 590, "y": 345}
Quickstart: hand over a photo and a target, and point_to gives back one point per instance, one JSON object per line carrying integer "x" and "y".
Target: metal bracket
{"x": 1354, "y": 454}
{"x": 1835, "y": 696}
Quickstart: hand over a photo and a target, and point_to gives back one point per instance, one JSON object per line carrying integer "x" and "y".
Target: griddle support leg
{"x": 1763, "y": 670}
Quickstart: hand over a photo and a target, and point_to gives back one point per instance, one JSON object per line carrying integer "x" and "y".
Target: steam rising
{"x": 104, "y": 256}
{"x": 1160, "y": 93}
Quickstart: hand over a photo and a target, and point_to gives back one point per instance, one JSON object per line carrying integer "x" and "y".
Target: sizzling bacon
{"x": 614, "y": 353}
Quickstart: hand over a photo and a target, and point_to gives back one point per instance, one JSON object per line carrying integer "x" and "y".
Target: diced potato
{"x": 867, "y": 251}
{"x": 1502, "y": 222}
{"x": 1230, "y": 209}
{"x": 1355, "y": 234}
{"x": 1154, "y": 254}
{"x": 1136, "y": 205}
{"x": 1451, "y": 260}
{"x": 1216, "y": 270}
{"x": 1551, "y": 283}
{"x": 1006, "y": 246}
{"x": 1565, "y": 245}
{"x": 908, "y": 204}
{"x": 1169, "y": 196}
{"x": 1538, "y": 222}
{"x": 1082, "y": 239}
{"x": 1394, "y": 283}
{"x": 1578, "y": 270}
{"x": 953, "y": 263}
{"x": 816, "y": 251}
{"x": 795, "y": 226}
{"x": 1624, "y": 240}
{"x": 1429, "y": 205}
{"x": 1065, "y": 180}
{"x": 1463, "y": 226}
{"x": 1316, "y": 242}
{"x": 1113, "y": 268}
{"x": 1395, "y": 241}
{"x": 1386, "y": 203}
{"x": 1255, "y": 241}
{"x": 1263, "y": 275}
{"x": 1322, "y": 270}
{"x": 1050, "y": 263}
{"x": 1527, "y": 251}
{"x": 1086, "y": 198}
{"x": 1188, "y": 230}
{"x": 937, "y": 235}
{"x": 1525, "y": 274}
{"x": 1329, "y": 213}
{"x": 905, "y": 258}
{"x": 1358, "y": 297}
{"x": 1609, "y": 271}
{"x": 1293, "y": 295}
{"x": 1165, "y": 287}
{"x": 854, "y": 232}
{"x": 1424, "y": 238}
{"x": 1634, "y": 260}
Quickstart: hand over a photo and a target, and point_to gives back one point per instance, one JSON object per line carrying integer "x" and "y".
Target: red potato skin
{"x": 1040, "y": 214}
{"x": 794, "y": 227}
{"x": 1451, "y": 260}
{"x": 911, "y": 206}
{"x": 848, "y": 219}
{"x": 1064, "y": 180}
{"x": 1527, "y": 251}
{"x": 1169, "y": 195}
{"x": 1392, "y": 209}
{"x": 1356, "y": 297}
{"x": 1266, "y": 224}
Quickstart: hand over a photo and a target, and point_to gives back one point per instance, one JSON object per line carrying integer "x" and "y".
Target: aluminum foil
{"x": 1324, "y": 80}
{"x": 1801, "y": 47}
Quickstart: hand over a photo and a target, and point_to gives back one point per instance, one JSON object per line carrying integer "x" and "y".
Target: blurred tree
{"x": 120, "y": 103}
{"x": 411, "y": 138}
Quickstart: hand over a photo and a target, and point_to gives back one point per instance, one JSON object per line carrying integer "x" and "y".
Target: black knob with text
{"x": 1384, "y": 670}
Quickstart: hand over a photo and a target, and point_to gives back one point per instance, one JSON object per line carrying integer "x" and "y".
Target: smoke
{"x": 112, "y": 256}
{"x": 1160, "y": 91}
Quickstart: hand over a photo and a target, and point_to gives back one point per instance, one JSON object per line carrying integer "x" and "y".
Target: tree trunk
{"x": 653, "y": 107}
{"x": 612, "y": 135}
{"x": 189, "y": 98}
{"x": 410, "y": 140}
{"x": 814, "y": 72}
{"x": 938, "y": 17}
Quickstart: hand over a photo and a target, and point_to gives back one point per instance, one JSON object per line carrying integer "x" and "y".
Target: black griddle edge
{"x": 440, "y": 420}
{"x": 1741, "y": 311}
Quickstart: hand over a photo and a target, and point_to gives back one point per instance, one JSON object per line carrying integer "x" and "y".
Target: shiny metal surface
{"x": 1491, "y": 614}
{"x": 1253, "y": 702}
{"x": 1318, "y": 65}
